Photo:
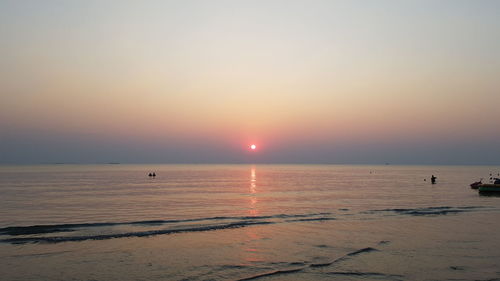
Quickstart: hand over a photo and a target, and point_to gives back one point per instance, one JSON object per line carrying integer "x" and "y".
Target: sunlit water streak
{"x": 246, "y": 222}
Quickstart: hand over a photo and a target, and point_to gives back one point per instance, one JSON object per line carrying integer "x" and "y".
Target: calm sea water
{"x": 247, "y": 222}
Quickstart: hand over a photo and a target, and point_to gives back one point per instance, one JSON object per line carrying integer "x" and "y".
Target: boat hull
{"x": 489, "y": 188}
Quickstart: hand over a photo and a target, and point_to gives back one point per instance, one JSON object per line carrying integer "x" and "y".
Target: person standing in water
{"x": 433, "y": 179}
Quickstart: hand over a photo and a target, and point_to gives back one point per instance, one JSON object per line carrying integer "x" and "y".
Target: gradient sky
{"x": 403, "y": 82}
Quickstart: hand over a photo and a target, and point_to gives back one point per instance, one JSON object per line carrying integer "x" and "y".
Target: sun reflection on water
{"x": 253, "y": 211}
{"x": 251, "y": 251}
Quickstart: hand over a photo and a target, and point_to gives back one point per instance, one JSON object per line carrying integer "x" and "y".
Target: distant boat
{"x": 490, "y": 187}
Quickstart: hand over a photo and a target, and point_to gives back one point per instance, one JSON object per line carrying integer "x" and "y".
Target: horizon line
{"x": 246, "y": 163}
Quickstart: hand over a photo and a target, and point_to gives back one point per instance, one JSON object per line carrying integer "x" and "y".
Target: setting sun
{"x": 253, "y": 147}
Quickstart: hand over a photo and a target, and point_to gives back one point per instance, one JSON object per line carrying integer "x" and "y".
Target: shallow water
{"x": 244, "y": 222}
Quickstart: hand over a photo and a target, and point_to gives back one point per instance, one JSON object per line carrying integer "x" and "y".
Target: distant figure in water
{"x": 154, "y": 175}
{"x": 150, "y": 175}
{"x": 433, "y": 179}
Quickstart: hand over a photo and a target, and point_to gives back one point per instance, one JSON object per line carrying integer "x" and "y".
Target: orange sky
{"x": 281, "y": 74}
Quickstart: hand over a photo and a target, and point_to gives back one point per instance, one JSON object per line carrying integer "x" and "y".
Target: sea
{"x": 247, "y": 222}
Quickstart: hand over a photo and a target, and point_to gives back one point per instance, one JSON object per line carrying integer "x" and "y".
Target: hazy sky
{"x": 412, "y": 82}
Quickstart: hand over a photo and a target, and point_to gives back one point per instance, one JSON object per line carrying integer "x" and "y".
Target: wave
{"x": 366, "y": 274}
{"x": 360, "y": 251}
{"x": 427, "y": 211}
{"x": 130, "y": 234}
{"x": 312, "y": 219}
{"x": 316, "y": 265}
{"x": 346, "y": 256}
{"x": 42, "y": 229}
{"x": 56, "y": 233}
{"x": 97, "y": 231}
{"x": 272, "y": 273}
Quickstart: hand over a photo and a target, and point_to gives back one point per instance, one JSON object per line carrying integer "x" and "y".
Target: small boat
{"x": 475, "y": 185}
{"x": 489, "y": 188}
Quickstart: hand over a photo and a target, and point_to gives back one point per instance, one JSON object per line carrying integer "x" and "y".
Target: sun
{"x": 253, "y": 147}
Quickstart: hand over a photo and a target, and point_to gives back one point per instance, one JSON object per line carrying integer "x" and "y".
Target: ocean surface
{"x": 247, "y": 222}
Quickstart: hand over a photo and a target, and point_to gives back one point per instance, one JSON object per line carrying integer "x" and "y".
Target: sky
{"x": 339, "y": 82}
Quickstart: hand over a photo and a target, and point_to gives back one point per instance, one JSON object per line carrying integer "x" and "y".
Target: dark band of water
{"x": 94, "y": 231}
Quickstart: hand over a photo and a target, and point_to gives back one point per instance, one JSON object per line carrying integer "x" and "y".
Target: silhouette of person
{"x": 433, "y": 179}
{"x": 154, "y": 175}
{"x": 150, "y": 175}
